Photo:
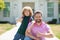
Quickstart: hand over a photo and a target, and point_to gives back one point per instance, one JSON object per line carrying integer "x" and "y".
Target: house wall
{"x": 17, "y": 5}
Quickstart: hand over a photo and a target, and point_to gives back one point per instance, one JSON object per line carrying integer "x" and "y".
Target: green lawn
{"x": 56, "y": 29}
{"x": 5, "y": 27}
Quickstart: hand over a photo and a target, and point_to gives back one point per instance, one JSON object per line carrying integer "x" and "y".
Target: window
{"x": 59, "y": 11}
{"x": 6, "y": 11}
{"x": 59, "y": 8}
{"x": 50, "y": 9}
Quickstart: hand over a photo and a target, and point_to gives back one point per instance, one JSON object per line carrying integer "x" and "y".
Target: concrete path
{"x": 9, "y": 35}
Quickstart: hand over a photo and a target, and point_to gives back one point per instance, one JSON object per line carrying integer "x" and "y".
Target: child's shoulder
{"x": 46, "y": 25}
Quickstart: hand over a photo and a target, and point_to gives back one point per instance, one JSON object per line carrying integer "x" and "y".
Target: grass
{"x": 56, "y": 29}
{"x": 5, "y": 27}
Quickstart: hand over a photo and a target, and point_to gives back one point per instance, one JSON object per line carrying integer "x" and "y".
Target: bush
{"x": 54, "y": 21}
{"x": 4, "y": 22}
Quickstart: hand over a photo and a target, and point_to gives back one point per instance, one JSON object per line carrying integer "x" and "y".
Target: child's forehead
{"x": 26, "y": 9}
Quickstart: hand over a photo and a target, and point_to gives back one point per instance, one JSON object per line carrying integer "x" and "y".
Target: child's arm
{"x": 48, "y": 35}
{"x": 28, "y": 31}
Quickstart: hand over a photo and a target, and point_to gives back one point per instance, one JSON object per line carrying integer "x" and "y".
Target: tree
{"x": 2, "y": 5}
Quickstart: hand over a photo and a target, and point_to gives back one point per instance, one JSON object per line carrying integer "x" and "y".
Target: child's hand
{"x": 33, "y": 22}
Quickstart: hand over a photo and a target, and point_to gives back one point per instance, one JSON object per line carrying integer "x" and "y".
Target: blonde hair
{"x": 27, "y": 8}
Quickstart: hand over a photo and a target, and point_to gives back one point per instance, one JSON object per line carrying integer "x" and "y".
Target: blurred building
{"x": 50, "y": 9}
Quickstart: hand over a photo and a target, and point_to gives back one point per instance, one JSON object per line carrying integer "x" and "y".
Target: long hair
{"x": 27, "y": 8}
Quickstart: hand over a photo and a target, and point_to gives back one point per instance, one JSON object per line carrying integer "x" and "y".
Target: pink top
{"x": 42, "y": 28}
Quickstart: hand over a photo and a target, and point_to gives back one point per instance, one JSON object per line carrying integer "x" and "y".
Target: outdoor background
{"x": 8, "y": 15}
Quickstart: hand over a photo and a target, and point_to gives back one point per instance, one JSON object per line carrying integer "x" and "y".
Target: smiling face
{"x": 38, "y": 17}
{"x": 26, "y": 12}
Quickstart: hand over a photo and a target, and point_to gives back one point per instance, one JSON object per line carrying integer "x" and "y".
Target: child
{"x": 26, "y": 18}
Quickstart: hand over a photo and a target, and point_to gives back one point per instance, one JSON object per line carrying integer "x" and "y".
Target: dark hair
{"x": 37, "y": 13}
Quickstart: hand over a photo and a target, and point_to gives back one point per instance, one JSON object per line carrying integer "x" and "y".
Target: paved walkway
{"x": 9, "y": 35}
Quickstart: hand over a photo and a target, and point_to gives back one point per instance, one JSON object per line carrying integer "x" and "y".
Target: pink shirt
{"x": 42, "y": 28}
